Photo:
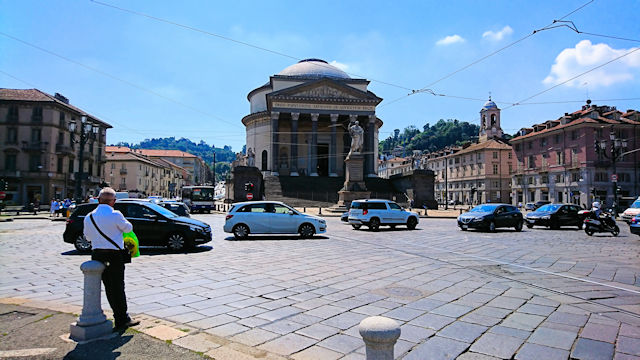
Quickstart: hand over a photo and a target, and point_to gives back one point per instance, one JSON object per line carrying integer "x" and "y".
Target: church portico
{"x": 307, "y": 118}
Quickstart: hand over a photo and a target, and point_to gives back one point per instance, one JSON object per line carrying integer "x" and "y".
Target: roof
{"x": 36, "y": 95}
{"x": 491, "y": 144}
{"x": 129, "y": 156}
{"x": 120, "y": 149}
{"x": 315, "y": 68}
{"x": 164, "y": 153}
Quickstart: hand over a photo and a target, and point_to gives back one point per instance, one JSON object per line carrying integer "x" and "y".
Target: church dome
{"x": 314, "y": 68}
{"x": 490, "y": 105}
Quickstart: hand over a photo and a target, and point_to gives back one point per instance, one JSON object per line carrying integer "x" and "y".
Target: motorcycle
{"x": 606, "y": 223}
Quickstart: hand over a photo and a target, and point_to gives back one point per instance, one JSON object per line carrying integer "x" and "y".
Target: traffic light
{"x": 4, "y": 185}
{"x": 248, "y": 187}
{"x": 618, "y": 190}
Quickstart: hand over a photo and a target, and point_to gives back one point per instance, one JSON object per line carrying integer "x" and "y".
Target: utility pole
{"x": 214, "y": 168}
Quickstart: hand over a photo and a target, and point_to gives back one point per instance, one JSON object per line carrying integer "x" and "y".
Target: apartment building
{"x": 395, "y": 166}
{"x": 130, "y": 171}
{"x": 198, "y": 172}
{"x": 40, "y": 154}
{"x": 570, "y": 159}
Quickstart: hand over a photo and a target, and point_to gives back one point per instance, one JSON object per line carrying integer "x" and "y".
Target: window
{"x": 36, "y": 135}
{"x": 495, "y": 169}
{"x": 34, "y": 163}
{"x": 510, "y": 168}
{"x": 543, "y": 142}
{"x": 544, "y": 179}
{"x": 395, "y": 206}
{"x": 575, "y": 177}
{"x": 495, "y": 154}
{"x": 377, "y": 206}
{"x": 510, "y": 156}
{"x": 61, "y": 121}
{"x": 280, "y": 209}
{"x": 70, "y": 166}
{"x": 10, "y": 161}
{"x": 574, "y": 135}
{"x": 113, "y": 166}
{"x": 12, "y": 115}
{"x": 532, "y": 161}
{"x": 36, "y": 115}
{"x": 557, "y": 138}
{"x": 60, "y": 164}
{"x": 530, "y": 145}
{"x": 265, "y": 160}
{"x": 560, "y": 157}
{"x": 517, "y": 147}
{"x": 60, "y": 138}
{"x": 12, "y": 135}
{"x": 530, "y": 180}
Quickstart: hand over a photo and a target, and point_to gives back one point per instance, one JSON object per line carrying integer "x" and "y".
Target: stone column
{"x": 92, "y": 323}
{"x": 371, "y": 169}
{"x": 380, "y": 335}
{"x": 314, "y": 144}
{"x": 294, "y": 144}
{"x": 333, "y": 151}
{"x": 275, "y": 143}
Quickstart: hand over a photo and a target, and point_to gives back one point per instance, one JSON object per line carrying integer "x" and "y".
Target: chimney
{"x": 61, "y": 98}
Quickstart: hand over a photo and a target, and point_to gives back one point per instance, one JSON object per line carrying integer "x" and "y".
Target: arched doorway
{"x": 264, "y": 160}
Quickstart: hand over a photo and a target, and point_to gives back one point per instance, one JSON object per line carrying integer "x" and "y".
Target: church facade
{"x": 299, "y": 120}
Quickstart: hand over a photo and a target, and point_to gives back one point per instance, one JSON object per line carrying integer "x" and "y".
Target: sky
{"x": 188, "y": 75}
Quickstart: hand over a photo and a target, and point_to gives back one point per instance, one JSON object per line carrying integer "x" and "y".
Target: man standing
{"x": 104, "y": 227}
{"x": 53, "y": 207}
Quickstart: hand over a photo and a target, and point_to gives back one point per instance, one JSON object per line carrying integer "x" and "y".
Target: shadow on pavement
{"x": 157, "y": 250}
{"x": 277, "y": 237}
{"x": 101, "y": 349}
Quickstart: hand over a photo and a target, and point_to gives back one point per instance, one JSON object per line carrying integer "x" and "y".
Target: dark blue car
{"x": 490, "y": 217}
{"x": 555, "y": 215}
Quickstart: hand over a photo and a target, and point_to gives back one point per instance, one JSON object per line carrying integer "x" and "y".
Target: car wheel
{"x": 616, "y": 231}
{"x": 176, "y": 242}
{"x": 588, "y": 231}
{"x": 374, "y": 224}
{"x": 411, "y": 223}
{"x": 82, "y": 244}
{"x": 519, "y": 226}
{"x": 241, "y": 231}
{"x": 492, "y": 226}
{"x": 356, "y": 226}
{"x": 306, "y": 231}
{"x": 530, "y": 226}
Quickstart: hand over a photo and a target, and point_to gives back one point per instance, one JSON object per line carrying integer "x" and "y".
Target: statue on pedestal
{"x": 251, "y": 158}
{"x": 357, "y": 133}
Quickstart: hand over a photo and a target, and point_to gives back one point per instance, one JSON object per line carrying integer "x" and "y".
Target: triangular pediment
{"x": 326, "y": 89}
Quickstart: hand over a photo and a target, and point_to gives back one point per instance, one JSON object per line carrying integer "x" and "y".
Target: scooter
{"x": 607, "y": 223}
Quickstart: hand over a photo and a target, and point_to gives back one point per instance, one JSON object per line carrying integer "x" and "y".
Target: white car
{"x": 375, "y": 213}
{"x": 271, "y": 217}
{"x": 632, "y": 211}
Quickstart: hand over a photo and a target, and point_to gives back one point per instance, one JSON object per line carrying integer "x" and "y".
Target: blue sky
{"x": 177, "y": 82}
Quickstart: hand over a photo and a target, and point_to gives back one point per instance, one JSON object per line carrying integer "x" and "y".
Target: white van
{"x": 632, "y": 211}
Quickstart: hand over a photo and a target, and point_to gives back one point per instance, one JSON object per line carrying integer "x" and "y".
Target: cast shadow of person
{"x": 106, "y": 349}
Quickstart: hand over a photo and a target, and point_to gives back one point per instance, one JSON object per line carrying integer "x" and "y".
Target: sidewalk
{"x": 37, "y": 329}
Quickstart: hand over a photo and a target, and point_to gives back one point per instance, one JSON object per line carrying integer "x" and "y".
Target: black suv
{"x": 153, "y": 225}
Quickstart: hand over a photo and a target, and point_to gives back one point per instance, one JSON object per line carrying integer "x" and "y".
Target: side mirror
{"x": 291, "y": 212}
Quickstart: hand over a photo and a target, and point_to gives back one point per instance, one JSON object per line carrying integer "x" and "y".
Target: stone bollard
{"x": 319, "y": 210}
{"x": 92, "y": 323}
{"x": 380, "y": 335}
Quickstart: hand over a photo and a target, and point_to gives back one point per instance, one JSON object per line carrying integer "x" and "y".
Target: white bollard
{"x": 92, "y": 323}
{"x": 380, "y": 335}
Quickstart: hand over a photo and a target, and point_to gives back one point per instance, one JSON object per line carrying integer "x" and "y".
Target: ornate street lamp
{"x": 86, "y": 128}
{"x": 615, "y": 152}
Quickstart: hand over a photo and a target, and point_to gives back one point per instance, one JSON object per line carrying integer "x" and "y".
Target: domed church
{"x": 299, "y": 120}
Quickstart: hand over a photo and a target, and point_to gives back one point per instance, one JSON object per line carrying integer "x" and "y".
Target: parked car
{"x": 632, "y": 211}
{"x": 555, "y": 215}
{"x": 178, "y": 208}
{"x": 375, "y": 213}
{"x": 529, "y": 206}
{"x": 490, "y": 217}
{"x": 634, "y": 225}
{"x": 540, "y": 203}
{"x": 345, "y": 216}
{"x": 271, "y": 217}
{"x": 153, "y": 225}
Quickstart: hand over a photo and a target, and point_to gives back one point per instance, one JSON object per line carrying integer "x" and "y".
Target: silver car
{"x": 271, "y": 217}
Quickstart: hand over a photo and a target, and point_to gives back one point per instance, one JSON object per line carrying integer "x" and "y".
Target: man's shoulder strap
{"x": 103, "y": 234}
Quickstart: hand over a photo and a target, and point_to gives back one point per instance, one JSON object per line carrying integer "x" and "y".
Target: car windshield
{"x": 636, "y": 204}
{"x": 200, "y": 194}
{"x": 550, "y": 207}
{"x": 484, "y": 208}
{"x": 162, "y": 211}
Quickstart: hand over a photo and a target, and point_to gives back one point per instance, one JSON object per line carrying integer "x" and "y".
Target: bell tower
{"x": 489, "y": 122}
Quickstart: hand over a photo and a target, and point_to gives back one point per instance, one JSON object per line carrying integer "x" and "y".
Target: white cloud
{"x": 498, "y": 35}
{"x": 339, "y": 65}
{"x": 573, "y": 61}
{"x": 451, "y": 39}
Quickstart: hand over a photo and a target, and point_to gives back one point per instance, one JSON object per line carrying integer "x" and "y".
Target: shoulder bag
{"x": 126, "y": 255}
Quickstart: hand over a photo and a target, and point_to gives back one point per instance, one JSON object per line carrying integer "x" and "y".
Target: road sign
{"x": 249, "y": 196}
{"x": 2, "y": 195}
{"x": 614, "y": 178}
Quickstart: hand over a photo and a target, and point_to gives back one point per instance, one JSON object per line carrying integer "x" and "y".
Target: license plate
{"x": 465, "y": 226}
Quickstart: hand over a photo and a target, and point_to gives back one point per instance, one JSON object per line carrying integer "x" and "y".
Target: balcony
{"x": 123, "y": 171}
{"x": 64, "y": 149}
{"x": 34, "y": 146}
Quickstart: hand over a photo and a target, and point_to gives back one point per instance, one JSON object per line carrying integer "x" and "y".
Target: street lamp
{"x": 615, "y": 153}
{"x": 86, "y": 128}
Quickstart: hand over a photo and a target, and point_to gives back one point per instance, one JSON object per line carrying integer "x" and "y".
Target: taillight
{"x": 365, "y": 212}
{"x": 228, "y": 217}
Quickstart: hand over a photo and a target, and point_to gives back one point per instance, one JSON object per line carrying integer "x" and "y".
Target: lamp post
{"x": 615, "y": 152}
{"x": 86, "y": 128}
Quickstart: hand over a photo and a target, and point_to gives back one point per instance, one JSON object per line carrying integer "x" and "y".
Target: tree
{"x": 443, "y": 133}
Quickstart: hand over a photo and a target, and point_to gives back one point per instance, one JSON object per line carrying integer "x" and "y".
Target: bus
{"x": 198, "y": 198}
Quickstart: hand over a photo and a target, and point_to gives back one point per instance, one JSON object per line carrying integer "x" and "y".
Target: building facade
{"x": 198, "y": 172}
{"x": 395, "y": 166}
{"x": 298, "y": 121}
{"x": 475, "y": 173}
{"x": 559, "y": 161}
{"x": 40, "y": 154}
{"x": 130, "y": 171}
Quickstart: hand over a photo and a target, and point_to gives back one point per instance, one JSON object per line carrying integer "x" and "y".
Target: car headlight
{"x": 546, "y": 217}
{"x": 196, "y": 228}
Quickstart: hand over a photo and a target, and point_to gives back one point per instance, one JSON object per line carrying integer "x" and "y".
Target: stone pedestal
{"x": 380, "y": 335}
{"x": 92, "y": 323}
{"x": 354, "y": 187}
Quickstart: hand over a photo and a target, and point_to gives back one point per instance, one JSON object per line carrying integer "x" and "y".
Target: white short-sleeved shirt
{"x": 111, "y": 222}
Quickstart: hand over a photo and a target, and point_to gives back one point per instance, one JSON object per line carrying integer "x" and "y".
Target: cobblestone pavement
{"x": 538, "y": 294}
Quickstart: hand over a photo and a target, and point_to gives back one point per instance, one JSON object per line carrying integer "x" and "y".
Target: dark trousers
{"x": 113, "y": 280}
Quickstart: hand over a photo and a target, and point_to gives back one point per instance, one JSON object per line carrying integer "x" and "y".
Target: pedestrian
{"x": 65, "y": 207}
{"x": 53, "y": 207}
{"x": 104, "y": 227}
{"x": 36, "y": 206}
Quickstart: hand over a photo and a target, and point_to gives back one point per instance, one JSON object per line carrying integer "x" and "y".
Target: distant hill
{"x": 224, "y": 155}
{"x": 443, "y": 133}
